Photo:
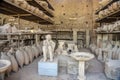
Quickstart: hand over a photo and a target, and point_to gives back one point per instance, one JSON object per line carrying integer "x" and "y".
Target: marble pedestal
{"x": 48, "y": 68}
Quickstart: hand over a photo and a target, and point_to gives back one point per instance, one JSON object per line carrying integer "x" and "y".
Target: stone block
{"x": 48, "y": 68}
{"x": 111, "y": 68}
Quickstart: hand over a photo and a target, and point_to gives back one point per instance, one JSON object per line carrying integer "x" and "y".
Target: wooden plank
{"x": 13, "y": 9}
{"x": 107, "y": 19}
{"x": 105, "y": 6}
{"x": 35, "y": 3}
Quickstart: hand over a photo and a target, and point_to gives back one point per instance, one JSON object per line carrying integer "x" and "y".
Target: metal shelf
{"x": 9, "y": 8}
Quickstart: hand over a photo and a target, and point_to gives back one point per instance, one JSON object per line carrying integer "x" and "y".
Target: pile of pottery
{"x": 7, "y": 28}
{"x": 21, "y": 56}
{"x": 113, "y": 7}
{"x": 109, "y": 27}
{"x": 109, "y": 54}
{"x": 105, "y": 51}
{"x": 23, "y": 4}
{"x": 103, "y": 2}
{"x": 43, "y": 3}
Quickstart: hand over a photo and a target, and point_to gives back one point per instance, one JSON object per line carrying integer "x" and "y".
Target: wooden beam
{"x": 21, "y": 15}
{"x": 3, "y": 8}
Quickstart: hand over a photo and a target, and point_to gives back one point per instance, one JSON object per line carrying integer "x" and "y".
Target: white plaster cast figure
{"x": 48, "y": 48}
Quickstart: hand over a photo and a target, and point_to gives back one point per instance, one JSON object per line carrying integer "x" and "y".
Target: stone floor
{"x": 94, "y": 72}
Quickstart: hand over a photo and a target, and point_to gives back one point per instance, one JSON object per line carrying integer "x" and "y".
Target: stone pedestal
{"x": 48, "y": 68}
{"x": 72, "y": 67}
{"x": 81, "y": 72}
{"x": 111, "y": 68}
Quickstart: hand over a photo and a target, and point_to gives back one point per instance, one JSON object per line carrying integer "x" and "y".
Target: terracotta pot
{"x": 14, "y": 63}
{"x": 32, "y": 9}
{"x": 110, "y": 8}
{"x": 106, "y": 12}
{"x": 28, "y": 7}
{"x": 35, "y": 51}
{"x": 114, "y": 50}
{"x": 115, "y": 5}
{"x": 117, "y": 56}
{"x": 19, "y": 58}
{"x": 26, "y": 58}
{"x": 40, "y": 13}
{"x": 29, "y": 53}
{"x": 24, "y": 5}
{"x": 36, "y": 11}
{"x": 43, "y": 3}
{"x": 16, "y": 2}
{"x": 101, "y": 14}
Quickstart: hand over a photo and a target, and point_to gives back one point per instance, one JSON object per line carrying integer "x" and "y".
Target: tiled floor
{"x": 94, "y": 72}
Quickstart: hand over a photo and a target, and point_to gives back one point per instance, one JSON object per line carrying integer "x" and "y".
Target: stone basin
{"x": 4, "y": 65}
{"x": 82, "y": 57}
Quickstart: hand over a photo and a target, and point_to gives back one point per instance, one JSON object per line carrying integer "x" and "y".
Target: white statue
{"x": 48, "y": 48}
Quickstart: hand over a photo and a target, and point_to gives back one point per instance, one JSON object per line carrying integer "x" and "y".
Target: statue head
{"x": 48, "y": 37}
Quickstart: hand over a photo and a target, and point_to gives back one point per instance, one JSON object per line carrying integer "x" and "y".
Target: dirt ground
{"x": 95, "y": 71}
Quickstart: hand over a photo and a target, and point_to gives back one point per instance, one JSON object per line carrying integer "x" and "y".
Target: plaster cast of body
{"x": 48, "y": 48}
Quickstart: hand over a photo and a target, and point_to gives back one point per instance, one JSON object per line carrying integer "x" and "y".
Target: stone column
{"x": 37, "y": 39}
{"x": 81, "y": 70}
{"x": 87, "y": 38}
{"x": 75, "y": 35}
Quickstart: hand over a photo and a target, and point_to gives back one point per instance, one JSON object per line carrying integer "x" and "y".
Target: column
{"x": 75, "y": 35}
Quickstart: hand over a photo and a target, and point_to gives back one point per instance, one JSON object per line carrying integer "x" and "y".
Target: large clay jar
{"x": 14, "y": 63}
{"x": 110, "y": 8}
{"x": 43, "y": 3}
{"x": 118, "y": 4}
{"x": 40, "y": 47}
{"x": 36, "y": 11}
{"x": 103, "y": 2}
{"x": 29, "y": 7}
{"x": 30, "y": 54}
{"x": 117, "y": 54}
{"x": 26, "y": 58}
{"x": 11, "y": 50}
{"x": 34, "y": 50}
{"x": 37, "y": 50}
{"x": 24, "y": 5}
{"x": 101, "y": 14}
{"x": 114, "y": 52}
{"x": 16, "y": 2}
{"x": 107, "y": 12}
{"x": 40, "y": 13}
{"x": 20, "y": 58}
{"x": 5, "y": 57}
{"x": 32, "y": 9}
{"x": 115, "y": 5}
